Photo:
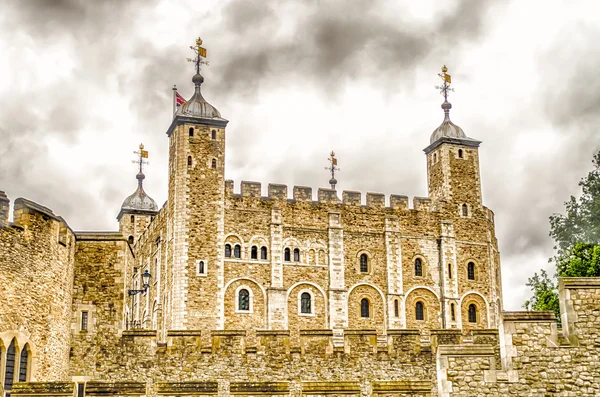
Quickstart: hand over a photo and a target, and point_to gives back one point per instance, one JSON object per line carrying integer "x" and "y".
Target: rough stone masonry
{"x": 291, "y": 293}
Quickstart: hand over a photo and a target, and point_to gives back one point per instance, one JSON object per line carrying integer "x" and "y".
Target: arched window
{"x": 191, "y": 131}
{"x": 227, "y": 251}
{"x": 263, "y": 253}
{"x": 396, "y": 308}
{"x": 189, "y": 161}
{"x": 450, "y": 270}
{"x": 472, "y": 313}
{"x": 471, "y": 271}
{"x": 214, "y": 163}
{"x": 214, "y": 134}
{"x": 132, "y": 218}
{"x": 364, "y": 308}
{"x": 296, "y": 255}
{"x": 460, "y": 153}
{"x": 286, "y": 255}
{"x": 434, "y": 157}
{"x": 237, "y": 251}
{"x": 465, "y": 210}
{"x": 452, "y": 312}
{"x": 419, "y": 313}
{"x": 9, "y": 374}
{"x": 364, "y": 263}
{"x": 254, "y": 252}
{"x": 244, "y": 300}
{"x": 201, "y": 268}
{"x": 418, "y": 267}
{"x": 24, "y": 362}
{"x": 130, "y": 239}
{"x": 305, "y": 303}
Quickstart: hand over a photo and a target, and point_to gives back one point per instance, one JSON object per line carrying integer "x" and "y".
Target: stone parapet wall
{"x": 36, "y": 278}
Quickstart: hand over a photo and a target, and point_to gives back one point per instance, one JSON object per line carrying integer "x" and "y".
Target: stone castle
{"x": 218, "y": 293}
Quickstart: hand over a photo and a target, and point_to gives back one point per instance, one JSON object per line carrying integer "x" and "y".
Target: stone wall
{"x": 99, "y": 290}
{"x": 528, "y": 356}
{"x": 36, "y": 279}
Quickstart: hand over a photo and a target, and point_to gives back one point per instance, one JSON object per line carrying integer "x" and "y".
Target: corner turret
{"x": 453, "y": 161}
{"x": 139, "y": 206}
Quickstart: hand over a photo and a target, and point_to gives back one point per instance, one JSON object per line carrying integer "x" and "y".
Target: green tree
{"x": 577, "y": 237}
{"x": 545, "y": 294}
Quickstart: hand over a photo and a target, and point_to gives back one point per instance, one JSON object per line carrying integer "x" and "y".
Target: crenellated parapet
{"x": 327, "y": 196}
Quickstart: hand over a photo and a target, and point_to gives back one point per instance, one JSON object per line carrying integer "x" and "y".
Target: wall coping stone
{"x": 466, "y": 350}
{"x": 532, "y": 316}
{"x": 185, "y": 388}
{"x": 255, "y": 388}
{"x": 139, "y": 332}
{"x": 272, "y": 332}
{"x": 402, "y": 386}
{"x": 360, "y": 332}
{"x": 579, "y": 282}
{"x": 316, "y": 332}
{"x": 185, "y": 332}
{"x": 43, "y": 389}
{"x": 330, "y": 388}
{"x": 224, "y": 332}
{"x": 395, "y": 332}
{"x": 114, "y": 388}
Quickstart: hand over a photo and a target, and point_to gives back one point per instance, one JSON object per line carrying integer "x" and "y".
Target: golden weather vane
{"x": 332, "y": 168}
{"x": 445, "y": 88}
{"x": 142, "y": 154}
{"x": 200, "y": 53}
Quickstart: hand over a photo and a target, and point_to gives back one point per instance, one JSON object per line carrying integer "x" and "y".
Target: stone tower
{"x": 453, "y": 166}
{"x": 137, "y": 210}
{"x": 454, "y": 185}
{"x": 196, "y": 203}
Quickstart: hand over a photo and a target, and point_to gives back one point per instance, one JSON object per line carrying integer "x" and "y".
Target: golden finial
{"x": 444, "y": 69}
{"x": 198, "y": 41}
{"x": 141, "y": 146}
{"x": 332, "y": 154}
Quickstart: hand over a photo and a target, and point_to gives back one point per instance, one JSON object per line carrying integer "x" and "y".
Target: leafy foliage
{"x": 577, "y": 237}
{"x": 545, "y": 294}
{"x": 582, "y": 220}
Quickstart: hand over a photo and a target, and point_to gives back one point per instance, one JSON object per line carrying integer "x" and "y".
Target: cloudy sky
{"x": 84, "y": 82}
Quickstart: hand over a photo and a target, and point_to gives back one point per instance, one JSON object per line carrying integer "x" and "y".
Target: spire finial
{"x": 332, "y": 168}
{"x": 444, "y": 90}
{"x": 142, "y": 154}
{"x": 200, "y": 53}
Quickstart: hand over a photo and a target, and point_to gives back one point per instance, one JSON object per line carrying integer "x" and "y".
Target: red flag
{"x": 179, "y": 99}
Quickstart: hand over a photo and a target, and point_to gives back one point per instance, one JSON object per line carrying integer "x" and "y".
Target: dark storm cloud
{"x": 336, "y": 41}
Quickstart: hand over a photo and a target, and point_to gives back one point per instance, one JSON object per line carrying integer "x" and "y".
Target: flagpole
{"x": 174, "y": 100}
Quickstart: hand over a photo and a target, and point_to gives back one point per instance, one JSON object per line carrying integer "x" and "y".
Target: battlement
{"x": 327, "y": 196}
{"x": 394, "y": 343}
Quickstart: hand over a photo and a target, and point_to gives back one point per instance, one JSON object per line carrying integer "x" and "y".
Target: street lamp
{"x": 146, "y": 276}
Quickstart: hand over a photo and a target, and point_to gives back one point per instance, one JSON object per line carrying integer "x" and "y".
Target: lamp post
{"x": 146, "y": 276}
{"x": 145, "y": 284}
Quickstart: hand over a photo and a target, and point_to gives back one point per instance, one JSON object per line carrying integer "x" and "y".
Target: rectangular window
{"x": 84, "y": 321}
{"x": 81, "y": 390}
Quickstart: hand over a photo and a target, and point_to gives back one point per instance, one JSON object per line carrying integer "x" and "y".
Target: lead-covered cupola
{"x": 448, "y": 131}
{"x": 139, "y": 203}
{"x": 196, "y": 110}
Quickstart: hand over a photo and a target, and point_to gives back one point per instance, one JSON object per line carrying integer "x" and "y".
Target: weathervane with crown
{"x": 200, "y": 53}
{"x": 332, "y": 168}
{"x": 445, "y": 88}
{"x": 142, "y": 154}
